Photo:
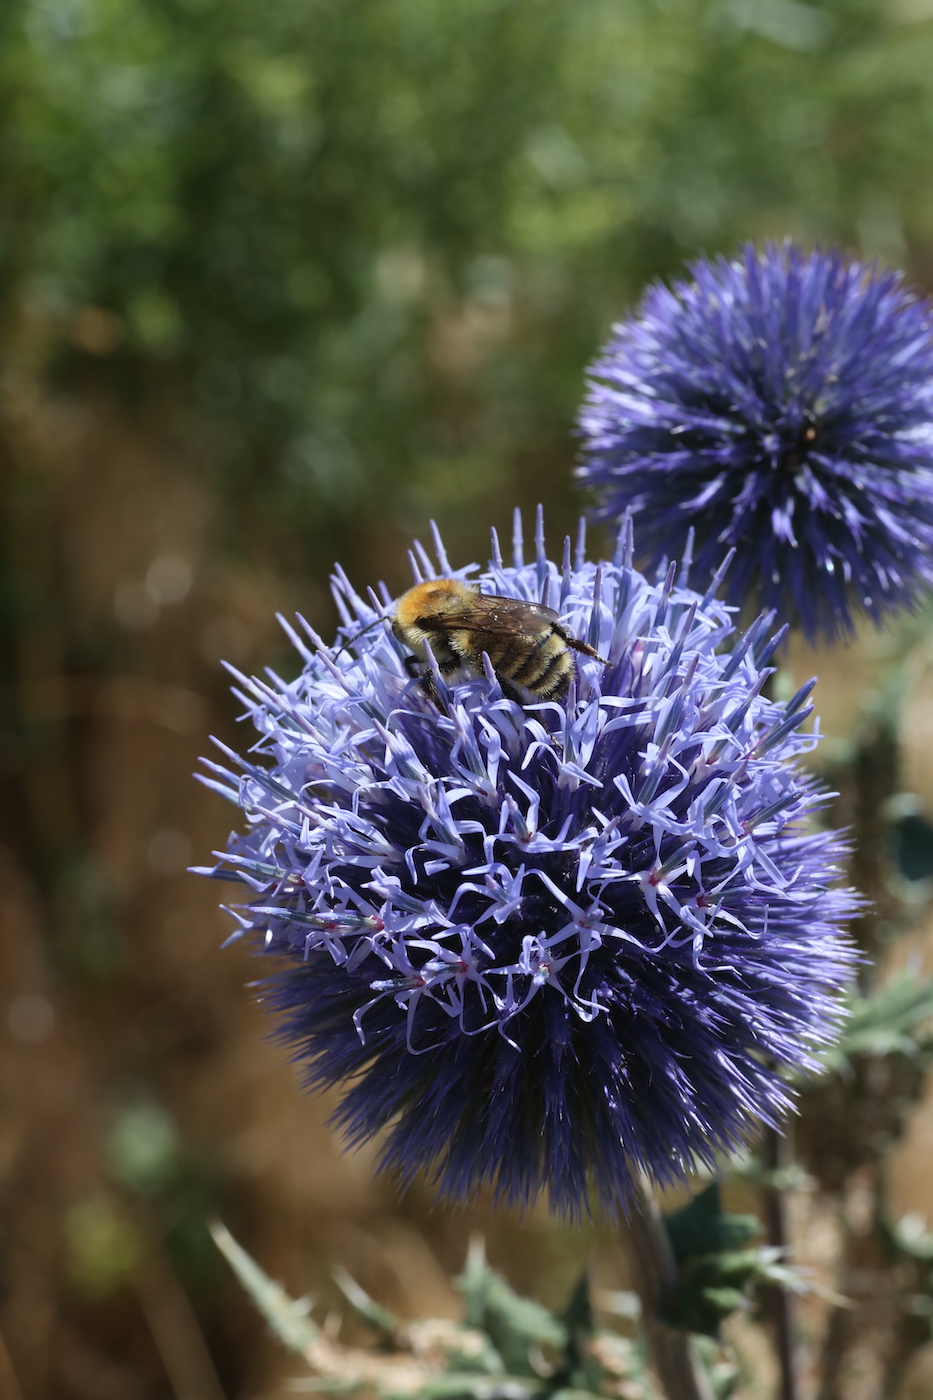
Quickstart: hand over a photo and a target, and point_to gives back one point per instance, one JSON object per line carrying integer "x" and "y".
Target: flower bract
{"x": 782, "y": 405}
{"x": 542, "y": 946}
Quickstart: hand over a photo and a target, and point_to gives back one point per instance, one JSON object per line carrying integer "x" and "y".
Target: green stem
{"x": 778, "y": 1153}
{"x": 656, "y": 1281}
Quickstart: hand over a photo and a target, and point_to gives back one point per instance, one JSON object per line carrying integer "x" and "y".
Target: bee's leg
{"x": 416, "y": 669}
{"x": 429, "y": 686}
{"x": 510, "y": 691}
{"x": 449, "y": 670}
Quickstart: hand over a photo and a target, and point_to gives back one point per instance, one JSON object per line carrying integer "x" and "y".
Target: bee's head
{"x": 436, "y": 596}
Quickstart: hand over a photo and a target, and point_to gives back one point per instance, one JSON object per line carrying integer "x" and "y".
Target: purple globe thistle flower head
{"x": 542, "y": 945}
{"x": 780, "y": 404}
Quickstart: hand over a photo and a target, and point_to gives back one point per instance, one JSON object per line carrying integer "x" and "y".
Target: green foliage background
{"x": 373, "y": 244}
{"x": 279, "y": 281}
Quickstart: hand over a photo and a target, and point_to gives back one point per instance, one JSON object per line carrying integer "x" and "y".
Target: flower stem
{"x": 656, "y": 1280}
{"x": 778, "y": 1152}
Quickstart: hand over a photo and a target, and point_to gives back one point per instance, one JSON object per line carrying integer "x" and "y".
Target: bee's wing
{"x": 503, "y": 617}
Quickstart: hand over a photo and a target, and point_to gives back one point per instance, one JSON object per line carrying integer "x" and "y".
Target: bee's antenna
{"x": 344, "y": 646}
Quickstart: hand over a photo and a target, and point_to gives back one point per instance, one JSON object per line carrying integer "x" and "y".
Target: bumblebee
{"x": 527, "y": 647}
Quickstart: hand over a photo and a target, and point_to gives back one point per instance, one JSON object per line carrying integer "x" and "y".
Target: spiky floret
{"x": 543, "y": 946}
{"x": 780, "y": 403}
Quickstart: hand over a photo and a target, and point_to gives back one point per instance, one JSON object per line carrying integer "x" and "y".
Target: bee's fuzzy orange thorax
{"x": 435, "y": 595}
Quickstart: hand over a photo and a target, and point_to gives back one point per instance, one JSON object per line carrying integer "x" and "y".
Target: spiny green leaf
{"x": 578, "y": 1314}
{"x": 771, "y": 1270}
{"x": 511, "y": 1322}
{"x": 714, "y": 1267}
{"x": 581, "y": 1371}
{"x": 286, "y": 1316}
{"x": 370, "y": 1311}
{"x": 724, "y": 1300}
{"x": 702, "y": 1227}
{"x": 722, "y": 1371}
{"x": 897, "y": 1018}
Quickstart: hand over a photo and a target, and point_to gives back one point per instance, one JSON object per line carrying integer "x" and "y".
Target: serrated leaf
{"x": 714, "y": 1268}
{"x": 722, "y": 1373}
{"x": 286, "y": 1316}
{"x": 512, "y": 1323}
{"x": 724, "y": 1300}
{"x": 578, "y": 1314}
{"x": 795, "y": 1281}
{"x": 370, "y": 1311}
{"x": 897, "y": 1018}
{"x": 580, "y": 1371}
{"x": 702, "y": 1227}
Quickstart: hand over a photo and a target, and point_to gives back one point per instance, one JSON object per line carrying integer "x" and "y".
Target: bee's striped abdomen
{"x": 545, "y": 669}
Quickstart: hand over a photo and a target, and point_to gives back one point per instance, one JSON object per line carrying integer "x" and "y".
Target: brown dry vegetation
{"x": 117, "y": 998}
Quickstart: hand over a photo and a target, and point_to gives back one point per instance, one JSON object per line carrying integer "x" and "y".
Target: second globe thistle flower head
{"x": 543, "y": 946}
{"x": 781, "y": 404}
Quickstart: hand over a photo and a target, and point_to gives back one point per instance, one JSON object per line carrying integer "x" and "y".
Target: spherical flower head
{"x": 782, "y": 405}
{"x": 543, "y": 945}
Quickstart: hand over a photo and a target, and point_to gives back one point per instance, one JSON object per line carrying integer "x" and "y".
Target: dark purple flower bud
{"x": 780, "y": 404}
{"x": 541, "y": 946}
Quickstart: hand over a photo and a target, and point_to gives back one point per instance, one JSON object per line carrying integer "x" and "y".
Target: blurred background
{"x": 279, "y": 281}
